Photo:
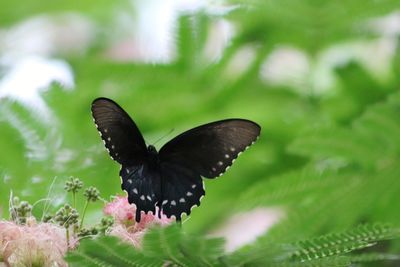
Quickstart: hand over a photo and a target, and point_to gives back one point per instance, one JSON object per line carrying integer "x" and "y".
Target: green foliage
{"x": 327, "y": 250}
{"x": 160, "y": 246}
{"x": 171, "y": 246}
{"x": 311, "y": 25}
{"x": 336, "y": 244}
{"x": 108, "y": 251}
{"x": 353, "y": 172}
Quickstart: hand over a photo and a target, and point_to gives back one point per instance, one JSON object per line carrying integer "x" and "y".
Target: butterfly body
{"x": 171, "y": 178}
{"x": 153, "y": 157}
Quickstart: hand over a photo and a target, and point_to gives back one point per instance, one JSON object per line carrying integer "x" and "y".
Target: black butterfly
{"x": 171, "y": 178}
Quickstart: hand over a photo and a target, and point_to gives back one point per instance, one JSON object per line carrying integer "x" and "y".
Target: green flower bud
{"x": 20, "y": 210}
{"x": 105, "y": 224}
{"x": 47, "y": 218}
{"x": 87, "y": 232}
{"x": 73, "y": 185}
{"x": 92, "y": 194}
{"x": 66, "y": 216}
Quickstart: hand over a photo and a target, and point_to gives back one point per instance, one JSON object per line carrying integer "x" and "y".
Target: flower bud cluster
{"x": 20, "y": 210}
{"x": 66, "y": 216}
{"x": 92, "y": 194}
{"x": 73, "y": 185}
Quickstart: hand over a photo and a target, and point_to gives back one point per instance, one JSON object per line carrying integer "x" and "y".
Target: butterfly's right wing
{"x": 211, "y": 148}
{"x": 120, "y": 134}
{"x": 207, "y": 150}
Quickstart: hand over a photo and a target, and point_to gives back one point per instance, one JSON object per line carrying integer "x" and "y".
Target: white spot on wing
{"x": 142, "y": 197}
{"x": 135, "y": 191}
{"x": 173, "y": 203}
{"x": 149, "y": 198}
{"x": 233, "y": 149}
{"x": 109, "y": 138}
{"x": 130, "y": 181}
{"x": 165, "y": 202}
{"x": 189, "y": 194}
{"x": 220, "y": 163}
{"x": 182, "y": 200}
{"x": 193, "y": 186}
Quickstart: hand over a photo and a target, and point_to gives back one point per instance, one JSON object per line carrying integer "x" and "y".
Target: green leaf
{"x": 327, "y": 250}
{"x": 341, "y": 243}
{"x": 108, "y": 251}
{"x": 174, "y": 246}
{"x": 161, "y": 245}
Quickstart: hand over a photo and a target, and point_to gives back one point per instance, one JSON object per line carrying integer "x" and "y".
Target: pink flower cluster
{"x": 33, "y": 244}
{"x": 125, "y": 226}
{"x": 45, "y": 244}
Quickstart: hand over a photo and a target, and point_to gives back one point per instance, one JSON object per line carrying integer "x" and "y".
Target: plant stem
{"x": 67, "y": 234}
{"x": 74, "y": 206}
{"x": 74, "y": 199}
{"x": 83, "y": 214}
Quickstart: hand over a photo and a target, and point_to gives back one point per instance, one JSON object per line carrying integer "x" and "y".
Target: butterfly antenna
{"x": 159, "y": 139}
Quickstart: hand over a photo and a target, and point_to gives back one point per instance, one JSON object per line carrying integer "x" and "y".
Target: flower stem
{"x": 83, "y": 214}
{"x": 74, "y": 206}
{"x": 74, "y": 199}
{"x": 67, "y": 234}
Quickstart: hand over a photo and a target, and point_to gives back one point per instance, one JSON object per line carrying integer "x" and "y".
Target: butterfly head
{"x": 152, "y": 150}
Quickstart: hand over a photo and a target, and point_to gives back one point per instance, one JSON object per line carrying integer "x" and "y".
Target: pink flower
{"x": 121, "y": 210}
{"x": 125, "y": 226}
{"x": 42, "y": 244}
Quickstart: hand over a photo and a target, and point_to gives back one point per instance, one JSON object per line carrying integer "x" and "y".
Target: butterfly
{"x": 170, "y": 179}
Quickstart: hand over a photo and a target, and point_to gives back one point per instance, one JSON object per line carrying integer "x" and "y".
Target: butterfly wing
{"x": 181, "y": 189}
{"x": 120, "y": 134}
{"x": 126, "y": 145}
{"x": 143, "y": 185}
{"x": 208, "y": 151}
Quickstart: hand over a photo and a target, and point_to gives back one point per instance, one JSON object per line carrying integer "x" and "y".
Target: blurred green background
{"x": 320, "y": 77}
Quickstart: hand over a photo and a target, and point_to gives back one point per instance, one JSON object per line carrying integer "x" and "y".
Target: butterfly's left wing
{"x": 126, "y": 145}
{"x": 119, "y": 132}
{"x": 208, "y": 151}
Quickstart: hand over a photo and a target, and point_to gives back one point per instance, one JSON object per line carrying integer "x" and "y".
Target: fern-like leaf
{"x": 160, "y": 246}
{"x": 341, "y": 243}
